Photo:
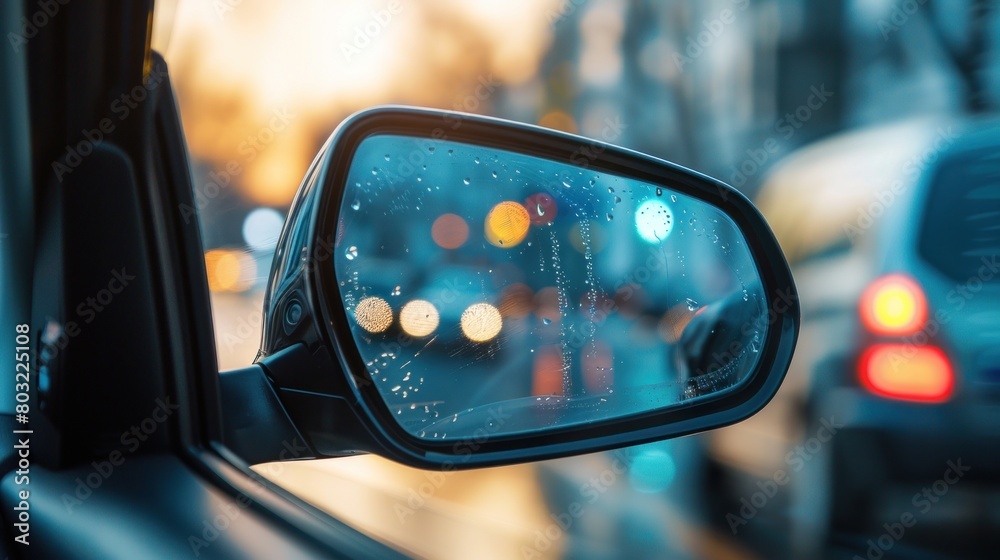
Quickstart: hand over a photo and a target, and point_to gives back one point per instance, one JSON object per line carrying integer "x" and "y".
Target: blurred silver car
{"x": 893, "y": 396}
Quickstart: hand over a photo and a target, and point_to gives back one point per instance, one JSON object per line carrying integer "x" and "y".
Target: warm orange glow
{"x": 900, "y": 371}
{"x": 272, "y": 178}
{"x": 547, "y": 305}
{"x": 547, "y": 372}
{"x": 481, "y": 322}
{"x": 516, "y": 301}
{"x": 450, "y": 231}
{"x": 507, "y": 224}
{"x": 674, "y": 321}
{"x": 419, "y": 318}
{"x": 236, "y": 65}
{"x": 558, "y": 120}
{"x": 598, "y": 367}
{"x": 893, "y": 305}
{"x": 373, "y": 314}
{"x": 229, "y": 270}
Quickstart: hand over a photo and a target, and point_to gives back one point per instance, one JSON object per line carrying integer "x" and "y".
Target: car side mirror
{"x": 454, "y": 291}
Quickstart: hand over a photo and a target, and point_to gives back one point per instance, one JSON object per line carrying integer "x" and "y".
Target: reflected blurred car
{"x": 893, "y": 235}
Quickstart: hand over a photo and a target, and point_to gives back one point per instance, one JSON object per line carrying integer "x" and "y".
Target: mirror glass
{"x": 494, "y": 293}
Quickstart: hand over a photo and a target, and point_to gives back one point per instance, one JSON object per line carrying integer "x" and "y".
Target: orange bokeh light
{"x": 507, "y": 224}
{"x": 558, "y": 120}
{"x": 598, "y": 367}
{"x": 517, "y": 301}
{"x": 229, "y": 270}
{"x": 450, "y": 231}
{"x": 547, "y": 372}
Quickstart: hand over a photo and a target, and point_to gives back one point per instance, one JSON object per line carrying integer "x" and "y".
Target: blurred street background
{"x": 812, "y": 109}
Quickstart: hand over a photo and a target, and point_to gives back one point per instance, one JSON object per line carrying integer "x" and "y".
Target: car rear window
{"x": 961, "y": 230}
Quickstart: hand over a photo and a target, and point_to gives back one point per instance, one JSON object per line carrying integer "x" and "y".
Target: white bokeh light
{"x": 654, "y": 221}
{"x": 261, "y": 228}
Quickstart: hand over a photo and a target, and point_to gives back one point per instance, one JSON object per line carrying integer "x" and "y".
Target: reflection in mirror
{"x": 492, "y": 292}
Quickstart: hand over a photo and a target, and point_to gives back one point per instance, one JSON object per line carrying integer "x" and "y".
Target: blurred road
{"x": 558, "y": 509}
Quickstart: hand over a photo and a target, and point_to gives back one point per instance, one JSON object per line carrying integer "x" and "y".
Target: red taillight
{"x": 907, "y": 372}
{"x": 893, "y": 305}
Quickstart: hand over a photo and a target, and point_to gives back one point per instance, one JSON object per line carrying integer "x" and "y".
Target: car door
{"x": 111, "y": 298}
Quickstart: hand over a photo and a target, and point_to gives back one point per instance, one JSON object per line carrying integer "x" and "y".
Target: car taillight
{"x": 908, "y": 372}
{"x": 893, "y": 305}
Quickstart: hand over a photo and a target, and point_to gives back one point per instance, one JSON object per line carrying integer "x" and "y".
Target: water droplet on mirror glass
{"x": 618, "y": 199}
{"x": 356, "y": 205}
{"x": 374, "y": 171}
{"x": 466, "y": 181}
{"x": 691, "y": 304}
{"x": 351, "y": 253}
{"x": 611, "y": 190}
{"x": 673, "y": 198}
{"x": 494, "y": 174}
{"x": 659, "y": 191}
{"x": 430, "y": 149}
{"x": 546, "y": 321}
{"x": 387, "y": 157}
{"x": 610, "y": 217}
{"x": 475, "y": 160}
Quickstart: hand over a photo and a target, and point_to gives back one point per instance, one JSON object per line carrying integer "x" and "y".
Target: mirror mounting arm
{"x": 255, "y": 424}
{"x": 310, "y": 401}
